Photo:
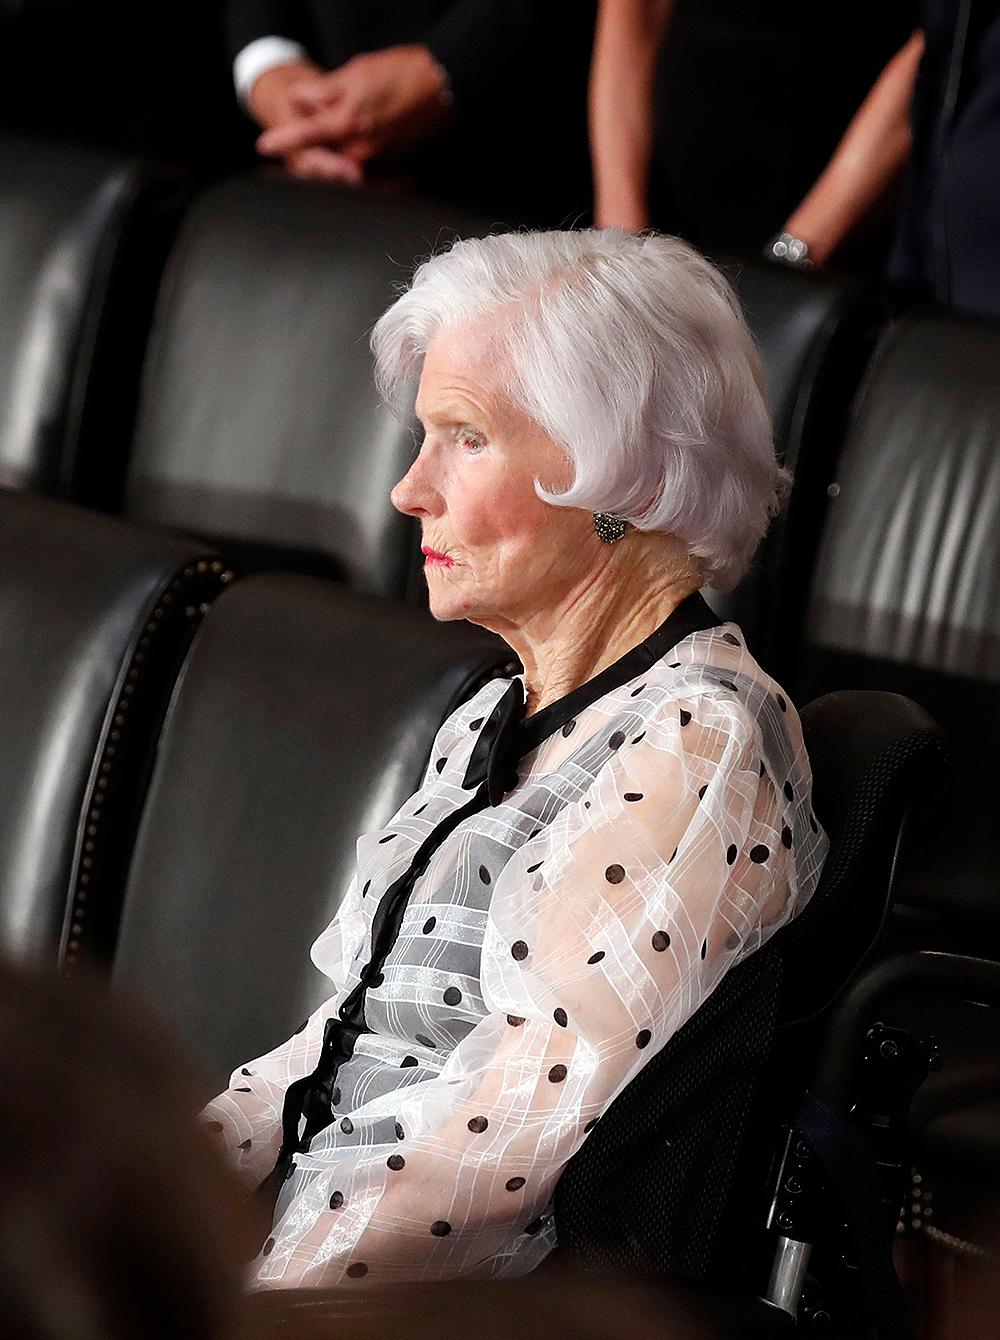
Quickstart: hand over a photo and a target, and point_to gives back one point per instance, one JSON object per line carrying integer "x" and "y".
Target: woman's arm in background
{"x": 867, "y": 161}
{"x": 621, "y": 108}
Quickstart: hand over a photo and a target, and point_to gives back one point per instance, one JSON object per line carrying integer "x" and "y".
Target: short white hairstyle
{"x": 632, "y": 353}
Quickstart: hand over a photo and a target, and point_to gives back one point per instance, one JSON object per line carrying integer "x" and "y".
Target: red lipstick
{"x": 435, "y": 560}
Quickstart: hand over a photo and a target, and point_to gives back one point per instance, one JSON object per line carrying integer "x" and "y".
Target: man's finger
{"x": 322, "y": 128}
{"x": 312, "y": 95}
{"x": 320, "y": 164}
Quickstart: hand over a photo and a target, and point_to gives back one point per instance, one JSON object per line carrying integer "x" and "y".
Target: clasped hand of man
{"x": 330, "y": 125}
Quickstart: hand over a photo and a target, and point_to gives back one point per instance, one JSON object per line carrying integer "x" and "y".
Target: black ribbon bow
{"x": 497, "y": 753}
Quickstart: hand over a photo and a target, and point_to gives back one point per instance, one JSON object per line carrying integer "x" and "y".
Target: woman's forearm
{"x": 626, "y": 41}
{"x": 866, "y": 162}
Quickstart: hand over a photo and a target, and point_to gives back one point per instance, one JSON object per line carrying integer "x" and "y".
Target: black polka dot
{"x": 452, "y": 996}
{"x": 368, "y": 885}
{"x": 731, "y": 853}
{"x": 590, "y": 1126}
{"x": 635, "y": 692}
{"x": 214, "y": 1125}
{"x": 617, "y": 740}
{"x": 336, "y": 1200}
{"x": 727, "y": 684}
{"x": 633, "y": 795}
{"x": 440, "y": 764}
{"x": 781, "y": 703}
{"x": 477, "y": 1125}
{"x": 243, "y": 1090}
{"x": 685, "y": 717}
{"x": 569, "y": 728}
{"x": 356, "y": 1270}
{"x": 675, "y": 665}
{"x": 395, "y": 1162}
{"x": 440, "y": 1228}
{"x": 429, "y": 925}
{"x": 789, "y": 792}
{"x": 642, "y": 1039}
{"x": 701, "y": 791}
{"x": 400, "y": 1133}
{"x": 347, "y": 1126}
{"x": 515, "y": 1020}
{"x": 661, "y": 941}
{"x": 300, "y": 1028}
{"x": 388, "y": 838}
{"x": 638, "y": 737}
{"x": 246, "y": 1144}
{"x": 733, "y": 641}
{"x": 557, "y": 1074}
{"x": 377, "y": 980}
{"x": 786, "y": 836}
{"x": 474, "y": 725}
{"x": 485, "y": 875}
{"x": 672, "y": 855}
{"x": 812, "y": 823}
{"x": 762, "y": 769}
{"x": 335, "y": 1097}
{"x": 245, "y": 1071}
{"x": 515, "y": 1184}
{"x": 421, "y": 809}
{"x": 533, "y": 1227}
{"x": 596, "y": 958}
{"x": 423, "y": 1039}
{"x": 267, "y": 1248}
{"x": 586, "y": 804}
{"x": 408, "y": 1061}
{"x": 760, "y": 853}
{"x": 519, "y": 950}
{"x": 704, "y": 948}
{"x": 533, "y": 868}
{"x": 559, "y": 1015}
{"x": 614, "y": 874}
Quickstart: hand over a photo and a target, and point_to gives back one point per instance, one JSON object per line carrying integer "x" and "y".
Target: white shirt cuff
{"x": 263, "y": 54}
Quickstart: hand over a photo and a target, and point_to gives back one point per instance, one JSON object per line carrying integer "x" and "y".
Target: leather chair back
{"x": 259, "y": 420}
{"x": 907, "y": 587}
{"x": 83, "y": 238}
{"x": 94, "y": 615}
{"x": 815, "y": 333}
{"x": 304, "y": 717}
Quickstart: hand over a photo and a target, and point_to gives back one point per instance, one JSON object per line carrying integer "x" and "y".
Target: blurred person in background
{"x": 595, "y": 842}
{"x": 482, "y": 102}
{"x": 712, "y": 118}
{"x": 936, "y": 111}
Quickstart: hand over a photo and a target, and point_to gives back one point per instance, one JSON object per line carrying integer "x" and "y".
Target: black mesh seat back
{"x": 877, "y": 760}
{"x": 82, "y": 237}
{"x": 259, "y": 420}
{"x": 815, "y": 333}
{"x": 651, "y": 1191}
{"x": 907, "y": 587}
{"x": 303, "y": 719}
{"x": 78, "y": 592}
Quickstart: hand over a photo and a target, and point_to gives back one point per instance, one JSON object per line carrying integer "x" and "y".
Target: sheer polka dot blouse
{"x": 534, "y": 924}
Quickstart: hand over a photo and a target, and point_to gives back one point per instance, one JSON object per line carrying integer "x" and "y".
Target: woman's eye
{"x": 471, "y": 439}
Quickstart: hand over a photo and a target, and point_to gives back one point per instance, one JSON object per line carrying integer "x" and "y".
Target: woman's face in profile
{"x": 494, "y": 552}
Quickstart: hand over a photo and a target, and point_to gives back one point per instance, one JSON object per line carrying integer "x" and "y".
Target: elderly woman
{"x": 597, "y": 840}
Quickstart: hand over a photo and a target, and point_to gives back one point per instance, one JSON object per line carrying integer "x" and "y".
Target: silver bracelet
{"x": 789, "y": 250}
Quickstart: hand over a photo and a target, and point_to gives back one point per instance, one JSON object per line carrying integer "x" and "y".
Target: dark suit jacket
{"x": 518, "y": 70}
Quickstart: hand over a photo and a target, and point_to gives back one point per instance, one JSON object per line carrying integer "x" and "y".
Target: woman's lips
{"x": 432, "y": 559}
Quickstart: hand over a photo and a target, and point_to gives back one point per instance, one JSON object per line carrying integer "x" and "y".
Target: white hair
{"x": 629, "y": 351}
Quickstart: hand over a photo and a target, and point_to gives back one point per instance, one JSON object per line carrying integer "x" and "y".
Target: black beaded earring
{"x": 609, "y": 528}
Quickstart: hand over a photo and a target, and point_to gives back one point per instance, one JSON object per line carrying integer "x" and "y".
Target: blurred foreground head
{"x": 116, "y": 1218}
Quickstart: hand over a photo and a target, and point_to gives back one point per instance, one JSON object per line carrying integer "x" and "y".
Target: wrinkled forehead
{"x": 465, "y": 366}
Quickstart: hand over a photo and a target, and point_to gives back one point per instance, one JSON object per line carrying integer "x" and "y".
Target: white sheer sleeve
{"x": 605, "y": 933}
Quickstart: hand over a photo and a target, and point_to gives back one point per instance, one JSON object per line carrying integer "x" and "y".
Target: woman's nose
{"x": 414, "y": 495}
